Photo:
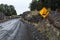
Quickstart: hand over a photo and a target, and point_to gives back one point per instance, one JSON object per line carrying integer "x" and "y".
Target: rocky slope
{"x": 49, "y": 26}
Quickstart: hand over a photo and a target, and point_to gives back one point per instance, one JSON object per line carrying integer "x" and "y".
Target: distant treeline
{"x": 8, "y": 10}
{"x": 38, "y": 4}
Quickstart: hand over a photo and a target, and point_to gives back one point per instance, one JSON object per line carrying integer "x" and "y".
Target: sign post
{"x": 44, "y": 12}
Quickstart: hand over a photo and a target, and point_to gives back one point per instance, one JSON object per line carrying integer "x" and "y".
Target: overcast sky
{"x": 20, "y": 5}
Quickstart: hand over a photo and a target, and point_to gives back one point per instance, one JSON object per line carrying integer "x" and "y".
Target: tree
{"x": 35, "y": 5}
{"x": 8, "y": 10}
{"x": 53, "y": 4}
{"x": 12, "y": 9}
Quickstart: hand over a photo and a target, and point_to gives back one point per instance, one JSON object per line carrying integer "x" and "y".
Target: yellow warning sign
{"x": 44, "y": 12}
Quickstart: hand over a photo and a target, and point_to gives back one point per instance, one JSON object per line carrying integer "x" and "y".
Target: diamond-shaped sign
{"x": 44, "y": 12}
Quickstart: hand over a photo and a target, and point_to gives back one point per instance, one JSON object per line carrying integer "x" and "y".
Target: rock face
{"x": 49, "y": 27}
{"x": 1, "y": 16}
{"x": 54, "y": 18}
